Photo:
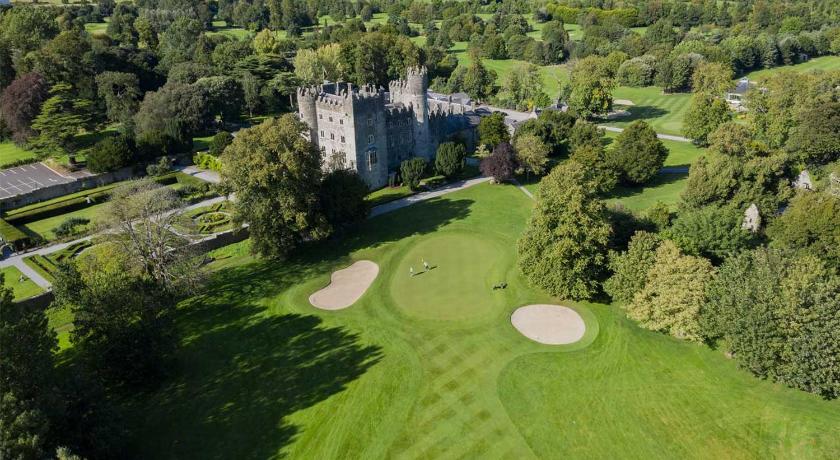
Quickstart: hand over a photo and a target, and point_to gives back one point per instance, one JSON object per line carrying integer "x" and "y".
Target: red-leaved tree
{"x": 21, "y": 102}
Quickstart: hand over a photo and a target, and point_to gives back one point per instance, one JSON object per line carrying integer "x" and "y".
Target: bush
{"x": 412, "y": 171}
{"x": 218, "y": 143}
{"x": 68, "y": 227}
{"x": 342, "y": 197}
{"x": 207, "y": 161}
{"x": 630, "y": 268}
{"x": 110, "y": 154}
{"x": 637, "y": 72}
{"x": 450, "y": 159}
{"x": 712, "y": 232}
{"x": 163, "y": 166}
{"x": 12, "y": 235}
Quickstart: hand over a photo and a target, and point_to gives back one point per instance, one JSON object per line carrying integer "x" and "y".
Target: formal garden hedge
{"x": 12, "y": 235}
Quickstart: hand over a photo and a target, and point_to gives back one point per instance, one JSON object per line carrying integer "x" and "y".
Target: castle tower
{"x": 412, "y": 92}
{"x": 307, "y": 98}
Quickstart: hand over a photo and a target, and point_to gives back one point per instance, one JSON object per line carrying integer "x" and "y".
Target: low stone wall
{"x": 57, "y": 190}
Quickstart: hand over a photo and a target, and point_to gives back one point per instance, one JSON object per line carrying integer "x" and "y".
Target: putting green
{"x": 459, "y": 283}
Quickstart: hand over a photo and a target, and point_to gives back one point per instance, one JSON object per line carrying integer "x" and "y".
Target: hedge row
{"x": 56, "y": 208}
{"x": 42, "y": 265}
{"x": 12, "y": 235}
{"x": 207, "y": 161}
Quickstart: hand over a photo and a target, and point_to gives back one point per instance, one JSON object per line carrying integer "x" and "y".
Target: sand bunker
{"x": 346, "y": 286}
{"x": 549, "y": 324}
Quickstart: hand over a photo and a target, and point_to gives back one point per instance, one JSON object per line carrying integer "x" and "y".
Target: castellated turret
{"x": 412, "y": 93}
{"x": 307, "y": 98}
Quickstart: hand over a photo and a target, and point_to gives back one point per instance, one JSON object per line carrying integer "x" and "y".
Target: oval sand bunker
{"x": 346, "y": 286}
{"x": 549, "y": 324}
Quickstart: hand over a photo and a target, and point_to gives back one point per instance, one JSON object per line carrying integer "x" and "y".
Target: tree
{"x": 474, "y": 79}
{"x": 251, "y": 92}
{"x": 705, "y": 114}
{"x": 276, "y": 175}
{"x": 556, "y": 40}
{"x": 450, "y": 159}
{"x": 110, "y": 154}
{"x": 673, "y": 294}
{"x": 67, "y": 58}
{"x": 265, "y": 42}
{"x": 584, "y": 133}
{"x": 522, "y": 89}
{"x": 219, "y": 142}
{"x": 122, "y": 324}
{"x": 637, "y": 155}
{"x": 778, "y": 313}
{"x": 21, "y": 102}
{"x": 377, "y": 58}
{"x": 811, "y": 224}
{"x": 176, "y": 105}
{"x": 732, "y": 139}
{"x": 531, "y": 153}
{"x": 492, "y": 130}
{"x": 412, "y": 171}
{"x": 501, "y": 164}
{"x": 712, "y": 232}
{"x": 598, "y": 168}
{"x": 711, "y": 78}
{"x": 225, "y": 97}
{"x": 315, "y": 66}
{"x": 140, "y": 216}
{"x": 630, "y": 268}
{"x": 817, "y": 133}
{"x": 62, "y": 117}
{"x": 26, "y": 29}
{"x": 342, "y": 198}
{"x": 178, "y": 41}
{"x": 563, "y": 248}
{"x": 27, "y": 378}
{"x": 121, "y": 93}
{"x": 590, "y": 87}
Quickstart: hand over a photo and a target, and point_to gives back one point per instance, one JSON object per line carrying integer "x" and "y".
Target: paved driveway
{"x": 26, "y": 178}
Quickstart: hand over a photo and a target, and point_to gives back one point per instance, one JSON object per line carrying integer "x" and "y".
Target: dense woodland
{"x": 165, "y": 72}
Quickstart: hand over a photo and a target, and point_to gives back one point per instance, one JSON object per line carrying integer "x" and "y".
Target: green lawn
{"x": 820, "y": 63}
{"x": 11, "y": 153}
{"x": 44, "y": 227}
{"x": 665, "y": 112}
{"x": 96, "y": 28}
{"x": 664, "y": 187}
{"x": 238, "y": 33}
{"x": 430, "y": 366}
{"x": 21, "y": 290}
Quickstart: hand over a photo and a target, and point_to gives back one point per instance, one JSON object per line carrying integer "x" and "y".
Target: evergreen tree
{"x": 62, "y": 117}
{"x": 637, "y": 155}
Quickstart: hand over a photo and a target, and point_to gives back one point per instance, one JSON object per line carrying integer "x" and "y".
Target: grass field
{"x": 665, "y": 112}
{"x": 679, "y": 153}
{"x": 819, "y": 63}
{"x": 20, "y": 290}
{"x": 11, "y": 153}
{"x": 430, "y": 366}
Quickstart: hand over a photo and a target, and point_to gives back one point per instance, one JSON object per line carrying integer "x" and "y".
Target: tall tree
{"x": 563, "y": 248}
{"x": 630, "y": 268}
{"x": 705, "y": 114}
{"x": 589, "y": 92}
{"x": 121, "y": 93}
{"x": 711, "y": 78}
{"x": 178, "y": 43}
{"x": 501, "y": 164}
{"x": 674, "y": 293}
{"x": 21, "y": 102}
{"x": 62, "y": 118}
{"x": 811, "y": 224}
{"x": 492, "y": 130}
{"x": 531, "y": 153}
{"x": 637, "y": 154}
{"x": 276, "y": 174}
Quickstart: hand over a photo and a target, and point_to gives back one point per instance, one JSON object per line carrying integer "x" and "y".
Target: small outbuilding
{"x": 752, "y": 219}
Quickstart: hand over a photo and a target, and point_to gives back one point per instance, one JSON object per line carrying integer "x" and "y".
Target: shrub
{"x": 68, "y": 227}
{"x": 450, "y": 159}
{"x": 630, "y": 268}
{"x": 412, "y": 171}
{"x": 207, "y": 161}
{"x": 637, "y": 72}
{"x": 163, "y": 166}
{"x": 712, "y": 232}
{"x": 218, "y": 143}
{"x": 110, "y": 154}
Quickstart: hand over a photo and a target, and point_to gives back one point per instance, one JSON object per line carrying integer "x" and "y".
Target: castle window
{"x": 341, "y": 121}
{"x": 370, "y": 138}
{"x": 342, "y": 139}
{"x": 330, "y": 119}
{"x": 321, "y": 116}
{"x": 370, "y": 121}
{"x": 332, "y": 136}
{"x": 371, "y": 158}
{"x": 322, "y": 133}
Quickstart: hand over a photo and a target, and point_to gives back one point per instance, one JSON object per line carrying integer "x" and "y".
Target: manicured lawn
{"x": 11, "y": 153}
{"x": 820, "y": 63}
{"x": 664, "y": 187}
{"x": 665, "y": 112}
{"x": 387, "y": 194}
{"x": 430, "y": 366}
{"x": 20, "y": 290}
{"x": 44, "y": 227}
{"x": 96, "y": 28}
{"x": 221, "y": 28}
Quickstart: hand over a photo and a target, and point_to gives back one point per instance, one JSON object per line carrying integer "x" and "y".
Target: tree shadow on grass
{"x": 623, "y": 191}
{"x": 242, "y": 374}
{"x": 642, "y": 112}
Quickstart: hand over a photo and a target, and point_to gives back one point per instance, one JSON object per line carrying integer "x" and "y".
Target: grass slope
{"x": 413, "y": 375}
{"x": 820, "y": 63}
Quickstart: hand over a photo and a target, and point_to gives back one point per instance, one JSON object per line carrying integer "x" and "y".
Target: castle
{"x": 371, "y": 130}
